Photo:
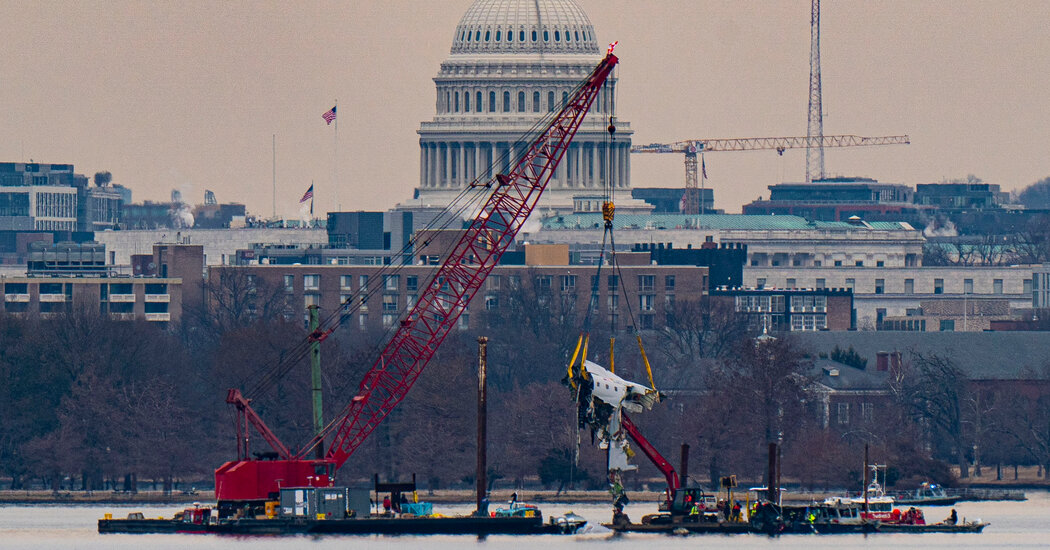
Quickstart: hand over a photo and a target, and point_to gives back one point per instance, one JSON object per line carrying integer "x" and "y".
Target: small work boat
{"x": 927, "y": 494}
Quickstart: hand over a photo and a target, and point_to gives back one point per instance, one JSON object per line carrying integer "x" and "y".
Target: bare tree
{"x": 702, "y": 328}
{"x": 935, "y": 391}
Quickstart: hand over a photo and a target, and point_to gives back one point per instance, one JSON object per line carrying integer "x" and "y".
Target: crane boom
{"x": 779, "y": 144}
{"x": 421, "y": 332}
{"x": 654, "y": 456}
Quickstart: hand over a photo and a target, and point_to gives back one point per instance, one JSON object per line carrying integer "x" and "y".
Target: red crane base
{"x": 244, "y": 480}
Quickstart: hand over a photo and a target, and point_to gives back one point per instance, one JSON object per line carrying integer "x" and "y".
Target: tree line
{"x": 95, "y": 404}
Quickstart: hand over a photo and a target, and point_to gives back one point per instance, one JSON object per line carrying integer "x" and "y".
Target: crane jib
{"x": 460, "y": 277}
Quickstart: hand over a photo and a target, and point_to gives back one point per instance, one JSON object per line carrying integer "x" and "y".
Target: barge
{"x": 341, "y": 510}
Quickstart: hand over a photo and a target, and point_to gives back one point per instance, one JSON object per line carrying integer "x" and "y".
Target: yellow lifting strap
{"x": 575, "y": 354}
{"x": 612, "y": 357}
{"x": 648, "y": 369}
{"x": 583, "y": 357}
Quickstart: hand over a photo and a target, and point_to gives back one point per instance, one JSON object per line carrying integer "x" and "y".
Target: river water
{"x": 1013, "y": 525}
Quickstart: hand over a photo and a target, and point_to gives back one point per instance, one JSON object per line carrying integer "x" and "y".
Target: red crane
{"x": 457, "y": 280}
{"x": 654, "y": 456}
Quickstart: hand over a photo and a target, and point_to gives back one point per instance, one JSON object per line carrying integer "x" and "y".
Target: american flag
{"x": 329, "y": 116}
{"x": 703, "y": 167}
{"x": 309, "y": 194}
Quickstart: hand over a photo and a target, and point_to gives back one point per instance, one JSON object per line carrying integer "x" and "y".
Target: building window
{"x": 947, "y": 325}
{"x": 543, "y": 283}
{"x": 477, "y": 102}
{"x": 938, "y": 286}
{"x": 289, "y": 283}
{"x": 967, "y": 286}
{"x": 389, "y": 302}
{"x": 614, "y": 302}
{"x": 646, "y": 283}
{"x": 669, "y": 283}
{"x": 410, "y": 301}
{"x": 506, "y": 102}
{"x": 492, "y": 283}
{"x": 867, "y": 412}
{"x": 843, "y": 416}
{"x": 492, "y": 102}
{"x": 391, "y": 282}
{"x": 820, "y": 283}
{"x": 362, "y": 320}
{"x": 790, "y": 283}
{"x": 521, "y": 102}
{"x": 455, "y": 98}
{"x": 346, "y": 282}
{"x": 880, "y": 263}
{"x": 809, "y": 304}
{"x": 1027, "y": 288}
{"x": 311, "y": 300}
{"x": 645, "y": 321}
{"x": 346, "y": 301}
{"x": 613, "y": 282}
{"x": 550, "y": 101}
{"x": 860, "y": 263}
{"x": 909, "y": 286}
{"x": 311, "y": 282}
{"x": 491, "y": 302}
{"x": 645, "y": 302}
{"x": 880, "y": 286}
{"x": 760, "y": 283}
{"x": 466, "y": 102}
{"x": 535, "y": 102}
{"x": 411, "y": 283}
{"x": 838, "y": 263}
{"x": 997, "y": 286}
{"x": 568, "y": 283}
{"x": 388, "y": 319}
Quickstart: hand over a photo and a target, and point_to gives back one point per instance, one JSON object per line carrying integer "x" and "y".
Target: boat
{"x": 825, "y": 519}
{"x": 927, "y": 494}
{"x": 874, "y": 503}
{"x": 964, "y": 527}
{"x": 516, "y": 519}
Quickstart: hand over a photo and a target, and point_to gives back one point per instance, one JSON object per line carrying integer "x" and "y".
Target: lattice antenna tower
{"x": 815, "y": 128}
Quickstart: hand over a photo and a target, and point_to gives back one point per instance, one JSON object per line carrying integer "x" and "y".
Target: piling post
{"x": 482, "y": 482}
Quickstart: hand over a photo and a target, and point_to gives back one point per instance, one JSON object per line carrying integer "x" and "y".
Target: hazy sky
{"x": 187, "y": 94}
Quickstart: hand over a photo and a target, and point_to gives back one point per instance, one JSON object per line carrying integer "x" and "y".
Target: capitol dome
{"x": 512, "y": 64}
{"x": 524, "y": 26}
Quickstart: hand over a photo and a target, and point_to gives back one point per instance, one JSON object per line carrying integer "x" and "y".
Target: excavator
{"x": 245, "y": 485}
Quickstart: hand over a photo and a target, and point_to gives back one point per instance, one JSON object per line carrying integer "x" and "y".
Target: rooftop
{"x": 713, "y": 221}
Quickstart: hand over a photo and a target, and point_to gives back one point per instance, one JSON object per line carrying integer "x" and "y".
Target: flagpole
{"x": 335, "y": 154}
{"x": 275, "y": 176}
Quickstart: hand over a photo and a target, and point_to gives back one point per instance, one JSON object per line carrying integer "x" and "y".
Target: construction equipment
{"x": 779, "y": 144}
{"x": 246, "y": 483}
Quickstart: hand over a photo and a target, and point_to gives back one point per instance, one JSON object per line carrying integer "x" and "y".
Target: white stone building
{"x": 880, "y": 292}
{"x": 772, "y": 241}
{"x": 512, "y": 64}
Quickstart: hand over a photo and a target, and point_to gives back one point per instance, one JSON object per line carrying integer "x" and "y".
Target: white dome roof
{"x": 524, "y": 26}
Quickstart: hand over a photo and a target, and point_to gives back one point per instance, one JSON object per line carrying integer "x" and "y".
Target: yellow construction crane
{"x": 779, "y": 144}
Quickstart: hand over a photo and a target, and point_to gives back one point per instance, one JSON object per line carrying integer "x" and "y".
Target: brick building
{"x": 371, "y": 298}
